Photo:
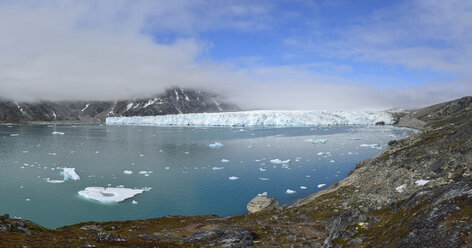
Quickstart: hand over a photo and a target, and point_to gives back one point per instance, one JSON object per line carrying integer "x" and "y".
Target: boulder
{"x": 262, "y": 202}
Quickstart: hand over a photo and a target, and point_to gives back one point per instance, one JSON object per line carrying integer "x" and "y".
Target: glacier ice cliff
{"x": 260, "y": 118}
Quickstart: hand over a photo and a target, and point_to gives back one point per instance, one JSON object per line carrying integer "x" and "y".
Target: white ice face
{"x": 69, "y": 174}
{"x": 260, "y": 118}
{"x": 109, "y": 195}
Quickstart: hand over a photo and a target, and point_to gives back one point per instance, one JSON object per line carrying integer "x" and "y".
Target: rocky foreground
{"x": 415, "y": 193}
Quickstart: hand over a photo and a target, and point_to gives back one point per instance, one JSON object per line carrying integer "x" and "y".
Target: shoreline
{"x": 380, "y": 203}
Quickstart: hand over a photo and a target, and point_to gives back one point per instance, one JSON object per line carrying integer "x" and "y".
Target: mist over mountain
{"x": 172, "y": 101}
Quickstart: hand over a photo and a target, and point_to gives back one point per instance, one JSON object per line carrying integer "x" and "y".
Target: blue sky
{"x": 260, "y": 54}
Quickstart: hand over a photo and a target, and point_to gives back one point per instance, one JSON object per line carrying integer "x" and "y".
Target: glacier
{"x": 260, "y": 118}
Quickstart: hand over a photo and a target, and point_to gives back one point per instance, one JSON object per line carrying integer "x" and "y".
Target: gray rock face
{"x": 220, "y": 238}
{"x": 260, "y": 203}
{"x": 421, "y": 118}
{"x": 173, "y": 101}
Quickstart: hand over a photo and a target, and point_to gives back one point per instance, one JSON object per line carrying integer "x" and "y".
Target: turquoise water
{"x": 183, "y": 180}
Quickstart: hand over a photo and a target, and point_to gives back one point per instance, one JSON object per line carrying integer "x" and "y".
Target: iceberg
{"x": 128, "y": 172}
{"x": 109, "y": 195}
{"x": 224, "y": 160}
{"x": 54, "y": 181}
{"x": 320, "y": 141}
{"x": 321, "y": 185}
{"x": 69, "y": 174}
{"x": 58, "y": 133}
{"x": 278, "y": 161}
{"x": 260, "y": 118}
{"x": 373, "y": 146}
{"x": 216, "y": 145}
{"x": 289, "y": 191}
{"x": 233, "y": 178}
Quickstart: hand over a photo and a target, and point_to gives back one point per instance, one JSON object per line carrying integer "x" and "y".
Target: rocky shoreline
{"x": 415, "y": 193}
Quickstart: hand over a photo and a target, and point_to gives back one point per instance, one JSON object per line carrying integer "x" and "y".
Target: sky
{"x": 279, "y": 54}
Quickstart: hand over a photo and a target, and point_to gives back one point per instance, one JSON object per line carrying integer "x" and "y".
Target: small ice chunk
{"x": 127, "y": 172}
{"x": 264, "y": 178}
{"x": 216, "y": 145}
{"x": 54, "y": 181}
{"x": 218, "y": 168}
{"x": 262, "y": 194}
{"x": 278, "y": 161}
{"x": 224, "y": 160}
{"x": 143, "y": 172}
{"x": 58, "y": 133}
{"x": 14, "y": 135}
{"x": 262, "y": 169}
{"x": 321, "y": 185}
{"x": 233, "y": 178}
{"x": 303, "y": 187}
{"x": 134, "y": 202}
{"x": 331, "y": 161}
{"x": 320, "y": 141}
{"x": 27, "y": 199}
{"x": 289, "y": 191}
{"x": 109, "y": 195}
{"x": 421, "y": 182}
{"x": 69, "y": 174}
{"x": 373, "y": 146}
{"x": 400, "y": 188}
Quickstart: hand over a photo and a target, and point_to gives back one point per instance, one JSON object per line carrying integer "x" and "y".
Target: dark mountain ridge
{"x": 172, "y": 101}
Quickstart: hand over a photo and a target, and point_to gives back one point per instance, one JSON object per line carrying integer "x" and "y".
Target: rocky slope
{"x": 415, "y": 193}
{"x": 173, "y": 101}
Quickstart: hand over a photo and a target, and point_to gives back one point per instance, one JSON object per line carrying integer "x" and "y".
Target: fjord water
{"x": 188, "y": 177}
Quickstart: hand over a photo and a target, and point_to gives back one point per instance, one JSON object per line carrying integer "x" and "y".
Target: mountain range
{"x": 172, "y": 101}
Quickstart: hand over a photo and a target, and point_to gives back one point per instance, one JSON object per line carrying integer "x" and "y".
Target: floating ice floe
{"x": 321, "y": 185}
{"x": 303, "y": 187}
{"x": 262, "y": 169}
{"x": 127, "y": 172}
{"x": 216, "y": 145}
{"x": 259, "y": 118}
{"x": 400, "y": 188}
{"x": 134, "y": 202}
{"x": 58, "y": 133}
{"x": 320, "y": 141}
{"x": 14, "y": 135}
{"x": 109, "y": 195}
{"x": 262, "y": 194}
{"x": 54, "y": 181}
{"x": 374, "y": 146}
{"x": 289, "y": 191}
{"x": 233, "y": 178}
{"x": 224, "y": 160}
{"x": 264, "y": 178}
{"x": 218, "y": 168}
{"x": 421, "y": 182}
{"x": 278, "y": 161}
{"x": 69, "y": 174}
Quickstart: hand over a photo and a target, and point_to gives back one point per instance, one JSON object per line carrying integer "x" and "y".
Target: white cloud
{"x": 100, "y": 50}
